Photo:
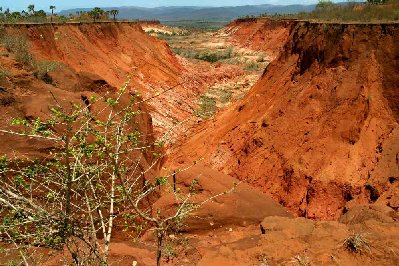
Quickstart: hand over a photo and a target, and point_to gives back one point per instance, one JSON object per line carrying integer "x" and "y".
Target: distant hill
{"x": 199, "y": 13}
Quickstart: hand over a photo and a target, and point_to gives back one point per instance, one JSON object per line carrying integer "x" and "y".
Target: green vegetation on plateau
{"x": 370, "y": 11}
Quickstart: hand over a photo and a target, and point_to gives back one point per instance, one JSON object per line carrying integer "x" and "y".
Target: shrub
{"x": 18, "y": 45}
{"x": 357, "y": 243}
{"x": 91, "y": 182}
{"x": 383, "y": 11}
{"x": 324, "y": 4}
{"x": 216, "y": 56}
{"x": 205, "y": 55}
{"x": 252, "y": 67}
{"x": 42, "y": 69}
{"x": 225, "y": 96}
{"x": 207, "y": 106}
{"x": 326, "y": 10}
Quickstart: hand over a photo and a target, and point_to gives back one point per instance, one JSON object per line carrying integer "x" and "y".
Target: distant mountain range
{"x": 199, "y": 13}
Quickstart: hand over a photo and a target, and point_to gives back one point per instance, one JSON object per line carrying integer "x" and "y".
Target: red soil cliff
{"x": 320, "y": 128}
{"x": 116, "y": 52}
{"x": 260, "y": 34}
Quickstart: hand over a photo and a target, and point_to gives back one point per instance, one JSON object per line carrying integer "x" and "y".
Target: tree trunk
{"x": 174, "y": 181}
{"x": 159, "y": 247}
{"x": 68, "y": 187}
{"x": 107, "y": 239}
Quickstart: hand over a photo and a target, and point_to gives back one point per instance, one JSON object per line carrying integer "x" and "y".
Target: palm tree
{"x": 52, "y": 12}
{"x": 96, "y": 13}
{"x": 114, "y": 13}
{"x": 31, "y": 9}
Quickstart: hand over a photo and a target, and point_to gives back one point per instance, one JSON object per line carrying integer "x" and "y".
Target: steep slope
{"x": 320, "y": 128}
{"x": 24, "y": 95}
{"x": 110, "y": 50}
{"x": 261, "y": 34}
{"x": 116, "y": 52}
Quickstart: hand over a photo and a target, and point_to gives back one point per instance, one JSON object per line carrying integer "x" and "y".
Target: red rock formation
{"x": 320, "y": 128}
{"x": 260, "y": 34}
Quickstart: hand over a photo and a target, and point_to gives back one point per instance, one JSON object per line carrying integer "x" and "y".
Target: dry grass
{"x": 357, "y": 243}
{"x": 351, "y": 12}
{"x": 18, "y": 45}
{"x": 301, "y": 260}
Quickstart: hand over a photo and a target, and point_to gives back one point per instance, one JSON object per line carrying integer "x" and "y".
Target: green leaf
{"x": 161, "y": 181}
{"x": 159, "y": 144}
{"x": 193, "y": 184}
{"x": 20, "y": 121}
{"x": 156, "y": 155}
{"x": 3, "y": 164}
{"x": 134, "y": 136}
{"x": 93, "y": 98}
{"x": 19, "y": 181}
{"x": 111, "y": 101}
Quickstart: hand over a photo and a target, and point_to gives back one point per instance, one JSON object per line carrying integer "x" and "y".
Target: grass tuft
{"x": 357, "y": 243}
{"x": 18, "y": 45}
{"x": 207, "y": 106}
{"x": 301, "y": 260}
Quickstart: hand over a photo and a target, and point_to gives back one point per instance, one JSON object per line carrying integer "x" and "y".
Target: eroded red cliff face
{"x": 111, "y": 50}
{"x": 320, "y": 128}
{"x": 116, "y": 52}
{"x": 260, "y": 34}
{"x": 93, "y": 59}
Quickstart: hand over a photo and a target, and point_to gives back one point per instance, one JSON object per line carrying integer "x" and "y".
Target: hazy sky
{"x": 65, "y": 4}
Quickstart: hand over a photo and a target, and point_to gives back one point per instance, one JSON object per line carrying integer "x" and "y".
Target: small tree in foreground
{"x": 92, "y": 181}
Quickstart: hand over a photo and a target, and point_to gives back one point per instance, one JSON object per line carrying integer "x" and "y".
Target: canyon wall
{"x": 91, "y": 60}
{"x": 116, "y": 53}
{"x": 261, "y": 34}
{"x": 319, "y": 131}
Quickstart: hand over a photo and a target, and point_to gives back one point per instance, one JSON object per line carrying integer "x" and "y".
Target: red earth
{"x": 316, "y": 138}
{"x": 320, "y": 128}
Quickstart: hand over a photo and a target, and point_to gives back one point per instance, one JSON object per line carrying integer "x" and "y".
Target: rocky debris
{"x": 242, "y": 206}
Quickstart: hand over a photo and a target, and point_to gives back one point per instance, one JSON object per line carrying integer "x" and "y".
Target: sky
{"x": 18, "y": 5}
